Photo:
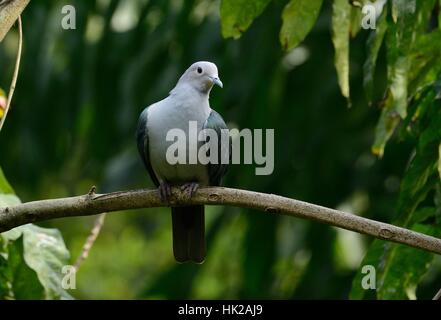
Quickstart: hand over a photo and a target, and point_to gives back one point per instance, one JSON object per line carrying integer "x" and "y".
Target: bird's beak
{"x": 217, "y": 81}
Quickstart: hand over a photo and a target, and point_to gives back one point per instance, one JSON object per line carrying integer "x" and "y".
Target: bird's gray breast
{"x": 167, "y": 115}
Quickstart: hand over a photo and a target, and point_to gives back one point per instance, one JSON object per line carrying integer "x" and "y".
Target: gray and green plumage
{"x": 188, "y": 101}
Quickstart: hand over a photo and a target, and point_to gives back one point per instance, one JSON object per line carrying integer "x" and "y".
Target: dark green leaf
{"x": 299, "y": 17}
{"x": 24, "y": 280}
{"x": 399, "y": 43}
{"x": 33, "y": 251}
{"x": 422, "y": 214}
{"x": 5, "y": 284}
{"x": 46, "y": 254}
{"x": 374, "y": 42}
{"x": 398, "y": 268}
{"x": 439, "y": 160}
{"x": 237, "y": 15}
{"x": 421, "y": 176}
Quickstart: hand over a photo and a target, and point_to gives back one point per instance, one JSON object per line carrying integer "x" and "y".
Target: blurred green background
{"x": 74, "y": 117}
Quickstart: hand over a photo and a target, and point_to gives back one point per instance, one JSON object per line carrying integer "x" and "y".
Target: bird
{"x": 187, "y": 101}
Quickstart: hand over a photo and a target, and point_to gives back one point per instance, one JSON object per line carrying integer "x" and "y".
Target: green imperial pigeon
{"x": 186, "y": 105}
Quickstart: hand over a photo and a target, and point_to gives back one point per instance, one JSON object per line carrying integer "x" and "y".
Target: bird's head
{"x": 201, "y": 76}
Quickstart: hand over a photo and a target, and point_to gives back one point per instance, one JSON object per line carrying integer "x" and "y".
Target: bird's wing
{"x": 217, "y": 170}
{"x": 142, "y": 138}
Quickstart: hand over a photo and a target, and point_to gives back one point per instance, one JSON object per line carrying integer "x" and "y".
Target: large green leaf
{"x": 341, "y": 23}
{"x": 46, "y": 253}
{"x": 32, "y": 257}
{"x": 237, "y": 15}
{"x": 298, "y": 17}
{"x": 24, "y": 280}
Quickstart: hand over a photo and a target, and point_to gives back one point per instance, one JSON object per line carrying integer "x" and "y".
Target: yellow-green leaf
{"x": 341, "y": 24}
{"x": 389, "y": 120}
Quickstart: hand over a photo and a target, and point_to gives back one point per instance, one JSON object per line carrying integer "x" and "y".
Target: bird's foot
{"x": 190, "y": 187}
{"x": 164, "y": 191}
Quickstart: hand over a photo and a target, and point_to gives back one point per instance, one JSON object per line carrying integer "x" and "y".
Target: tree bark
{"x": 92, "y": 203}
{"x": 9, "y": 13}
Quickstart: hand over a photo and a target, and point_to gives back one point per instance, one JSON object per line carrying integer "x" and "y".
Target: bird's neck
{"x": 183, "y": 89}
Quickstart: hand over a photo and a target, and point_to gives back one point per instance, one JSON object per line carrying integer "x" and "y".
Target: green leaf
{"x": 7, "y": 196}
{"x": 46, "y": 253}
{"x": 399, "y": 44}
{"x": 386, "y": 126}
{"x": 5, "y": 187}
{"x": 423, "y": 99}
{"x": 24, "y": 280}
{"x": 398, "y": 77}
{"x": 356, "y": 17}
{"x": 421, "y": 177}
{"x": 237, "y": 15}
{"x": 439, "y": 160}
{"x": 412, "y": 64}
{"x": 425, "y": 52}
{"x": 341, "y": 23}
{"x": 298, "y": 17}
{"x": 375, "y": 254}
{"x": 32, "y": 252}
{"x": 5, "y": 284}
{"x": 398, "y": 268}
{"x": 402, "y": 9}
{"x": 374, "y": 42}
{"x": 439, "y": 16}
{"x": 422, "y": 214}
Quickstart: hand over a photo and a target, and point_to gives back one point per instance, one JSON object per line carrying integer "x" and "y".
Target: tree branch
{"x": 10, "y": 10}
{"x": 91, "y": 204}
{"x": 15, "y": 76}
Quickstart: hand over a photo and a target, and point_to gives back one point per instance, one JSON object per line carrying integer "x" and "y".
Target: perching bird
{"x": 188, "y": 101}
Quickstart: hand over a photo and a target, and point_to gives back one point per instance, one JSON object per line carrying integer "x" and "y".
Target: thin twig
{"x": 438, "y": 295}
{"x": 99, "y": 222}
{"x": 91, "y": 204}
{"x": 15, "y": 76}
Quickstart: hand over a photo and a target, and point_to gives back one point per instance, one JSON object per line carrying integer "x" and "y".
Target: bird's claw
{"x": 164, "y": 191}
{"x": 191, "y": 188}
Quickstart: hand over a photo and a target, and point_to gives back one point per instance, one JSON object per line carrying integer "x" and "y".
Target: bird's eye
{"x": 199, "y": 70}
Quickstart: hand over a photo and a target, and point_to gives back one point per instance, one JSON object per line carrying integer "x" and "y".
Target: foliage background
{"x": 80, "y": 92}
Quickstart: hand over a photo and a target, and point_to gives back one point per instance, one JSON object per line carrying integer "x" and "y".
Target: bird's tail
{"x": 189, "y": 233}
